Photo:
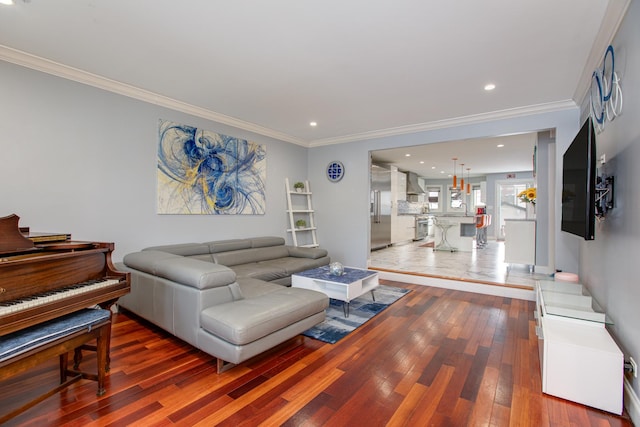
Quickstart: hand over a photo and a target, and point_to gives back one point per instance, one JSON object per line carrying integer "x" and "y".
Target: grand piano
{"x": 46, "y": 280}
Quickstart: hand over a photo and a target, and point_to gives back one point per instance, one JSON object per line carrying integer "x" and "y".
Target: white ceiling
{"x": 359, "y": 68}
{"x": 481, "y": 156}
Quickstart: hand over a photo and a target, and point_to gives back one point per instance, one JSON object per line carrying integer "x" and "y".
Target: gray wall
{"x": 80, "y": 160}
{"x": 608, "y": 263}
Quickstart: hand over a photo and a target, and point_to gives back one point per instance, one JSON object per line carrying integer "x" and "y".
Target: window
{"x": 455, "y": 198}
{"x": 476, "y": 195}
{"x": 433, "y": 198}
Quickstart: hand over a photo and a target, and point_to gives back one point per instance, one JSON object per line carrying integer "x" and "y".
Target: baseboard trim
{"x": 497, "y": 289}
{"x": 631, "y": 403}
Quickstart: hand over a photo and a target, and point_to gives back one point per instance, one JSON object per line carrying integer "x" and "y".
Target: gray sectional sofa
{"x": 229, "y": 298}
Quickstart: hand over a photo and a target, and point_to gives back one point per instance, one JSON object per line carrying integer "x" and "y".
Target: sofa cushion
{"x": 268, "y": 241}
{"x": 292, "y": 265}
{"x": 258, "y": 271}
{"x": 247, "y": 320}
{"x": 301, "y": 252}
{"x": 250, "y": 288}
{"x": 184, "y": 249}
{"x": 203, "y": 257}
{"x": 246, "y": 256}
{"x": 184, "y": 270}
{"x": 228, "y": 245}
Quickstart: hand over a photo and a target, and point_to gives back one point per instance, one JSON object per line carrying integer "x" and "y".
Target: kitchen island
{"x": 454, "y": 233}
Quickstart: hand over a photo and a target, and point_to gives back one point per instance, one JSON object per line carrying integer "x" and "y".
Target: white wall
{"x": 80, "y": 160}
{"x": 609, "y": 264}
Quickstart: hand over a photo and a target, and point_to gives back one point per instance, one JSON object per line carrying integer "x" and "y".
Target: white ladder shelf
{"x": 301, "y": 209}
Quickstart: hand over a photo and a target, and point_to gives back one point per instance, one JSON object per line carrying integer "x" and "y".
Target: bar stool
{"x": 482, "y": 222}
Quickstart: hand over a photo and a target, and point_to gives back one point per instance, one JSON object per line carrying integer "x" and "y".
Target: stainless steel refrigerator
{"x": 380, "y": 207}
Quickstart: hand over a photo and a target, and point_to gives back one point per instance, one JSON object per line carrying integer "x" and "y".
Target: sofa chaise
{"x": 230, "y": 298}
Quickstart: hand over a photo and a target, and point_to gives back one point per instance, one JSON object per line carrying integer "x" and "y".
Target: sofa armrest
{"x": 313, "y": 253}
{"x": 187, "y": 271}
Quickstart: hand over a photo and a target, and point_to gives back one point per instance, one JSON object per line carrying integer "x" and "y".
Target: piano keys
{"x": 31, "y": 301}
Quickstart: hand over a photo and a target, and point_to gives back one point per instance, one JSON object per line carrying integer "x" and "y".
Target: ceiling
{"x": 359, "y": 68}
{"x": 482, "y": 156}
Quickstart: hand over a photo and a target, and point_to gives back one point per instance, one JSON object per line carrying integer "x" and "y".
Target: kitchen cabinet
{"x": 403, "y": 228}
{"x": 401, "y": 186}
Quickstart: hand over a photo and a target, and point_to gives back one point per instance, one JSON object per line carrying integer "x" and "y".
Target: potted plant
{"x": 299, "y": 186}
{"x": 301, "y": 223}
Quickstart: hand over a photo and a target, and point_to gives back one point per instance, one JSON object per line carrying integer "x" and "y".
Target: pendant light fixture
{"x": 455, "y": 178}
{"x": 462, "y": 177}
{"x": 468, "y": 183}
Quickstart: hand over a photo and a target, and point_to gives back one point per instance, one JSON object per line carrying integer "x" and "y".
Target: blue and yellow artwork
{"x": 203, "y": 172}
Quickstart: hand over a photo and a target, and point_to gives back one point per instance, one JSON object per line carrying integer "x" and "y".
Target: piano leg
{"x": 103, "y": 342}
{"x": 107, "y": 306}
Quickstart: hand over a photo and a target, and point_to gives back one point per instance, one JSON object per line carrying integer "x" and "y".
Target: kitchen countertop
{"x": 456, "y": 217}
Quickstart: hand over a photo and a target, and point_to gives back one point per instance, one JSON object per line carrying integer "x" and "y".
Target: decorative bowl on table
{"x": 336, "y": 269}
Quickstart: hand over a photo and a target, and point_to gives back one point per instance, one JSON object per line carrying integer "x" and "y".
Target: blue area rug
{"x": 336, "y": 326}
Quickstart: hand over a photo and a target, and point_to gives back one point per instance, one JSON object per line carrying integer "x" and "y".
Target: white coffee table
{"x": 352, "y": 284}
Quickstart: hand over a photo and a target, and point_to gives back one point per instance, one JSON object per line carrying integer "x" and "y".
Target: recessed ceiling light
{"x": 7, "y": 2}
{"x": 422, "y": 162}
{"x": 433, "y": 167}
{"x": 407, "y": 155}
{"x": 489, "y": 86}
{"x": 500, "y": 145}
{"x": 313, "y": 124}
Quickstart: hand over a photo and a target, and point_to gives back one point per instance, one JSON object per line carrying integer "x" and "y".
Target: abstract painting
{"x": 203, "y": 172}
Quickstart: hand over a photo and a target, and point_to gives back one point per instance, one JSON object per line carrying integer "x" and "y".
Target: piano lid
{"x": 11, "y": 240}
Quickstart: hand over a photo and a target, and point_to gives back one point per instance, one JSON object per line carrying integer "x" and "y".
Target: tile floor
{"x": 484, "y": 265}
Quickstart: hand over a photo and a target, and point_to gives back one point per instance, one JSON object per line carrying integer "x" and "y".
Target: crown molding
{"x": 442, "y": 124}
{"x": 60, "y": 70}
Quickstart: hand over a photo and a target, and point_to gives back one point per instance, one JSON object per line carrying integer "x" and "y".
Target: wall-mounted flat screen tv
{"x": 579, "y": 184}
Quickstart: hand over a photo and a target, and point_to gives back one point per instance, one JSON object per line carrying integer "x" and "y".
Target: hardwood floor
{"x": 436, "y": 357}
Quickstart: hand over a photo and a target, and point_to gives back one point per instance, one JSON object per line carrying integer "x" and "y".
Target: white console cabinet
{"x": 579, "y": 360}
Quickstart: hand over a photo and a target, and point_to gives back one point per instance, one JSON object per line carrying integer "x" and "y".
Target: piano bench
{"x": 25, "y": 349}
